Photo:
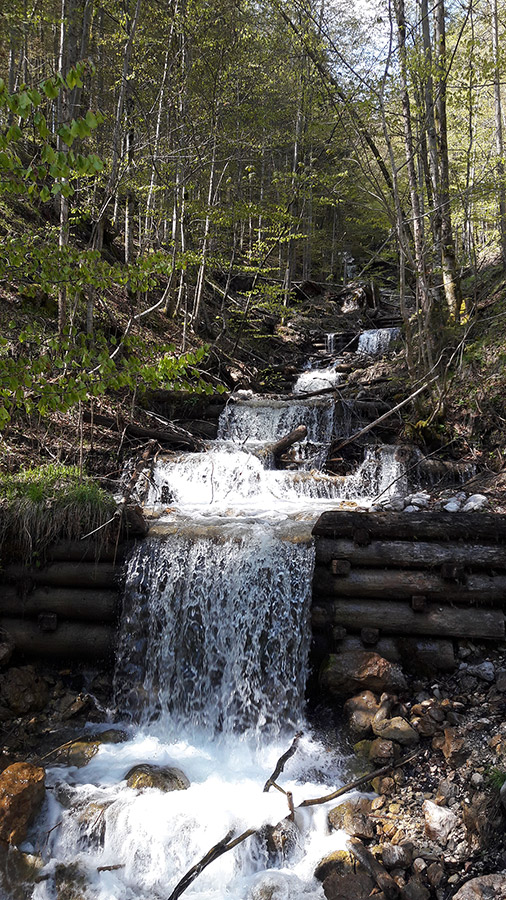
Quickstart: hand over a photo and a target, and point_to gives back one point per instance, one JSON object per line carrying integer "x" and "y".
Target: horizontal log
{"x": 389, "y": 584}
{"x": 408, "y": 554}
{"x": 72, "y": 640}
{"x": 284, "y": 443}
{"x": 86, "y": 551}
{"x": 398, "y": 618}
{"x": 168, "y": 434}
{"x": 423, "y": 526}
{"x": 68, "y": 574}
{"x": 82, "y": 604}
{"x": 415, "y": 654}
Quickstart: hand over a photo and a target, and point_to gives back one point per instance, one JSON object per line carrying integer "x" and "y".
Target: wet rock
{"x": 381, "y": 751}
{"x": 164, "y": 778}
{"x": 396, "y": 729}
{"x": 383, "y": 785}
{"x": 18, "y": 872}
{"x": 21, "y": 794}
{"x": 340, "y": 861}
{"x": 397, "y": 856}
{"x": 78, "y": 753}
{"x": 70, "y": 882}
{"x": 435, "y": 875}
{"x": 485, "y": 671}
{"x": 439, "y": 822}
{"x": 486, "y": 887}
{"x": 22, "y": 691}
{"x": 358, "y": 670}
{"x": 360, "y": 711}
{"x": 282, "y": 841}
{"x": 356, "y": 886}
{"x": 475, "y": 502}
{"x": 353, "y": 816}
{"x": 415, "y": 890}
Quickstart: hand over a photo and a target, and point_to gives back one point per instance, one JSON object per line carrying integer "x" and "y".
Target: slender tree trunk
{"x": 451, "y": 278}
{"x": 499, "y": 144}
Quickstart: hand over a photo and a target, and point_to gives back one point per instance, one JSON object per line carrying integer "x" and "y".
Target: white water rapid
{"x": 210, "y": 677}
{"x": 376, "y": 341}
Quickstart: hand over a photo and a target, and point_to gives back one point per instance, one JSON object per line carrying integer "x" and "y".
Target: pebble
{"x": 411, "y": 508}
{"x": 475, "y": 502}
{"x": 452, "y": 506}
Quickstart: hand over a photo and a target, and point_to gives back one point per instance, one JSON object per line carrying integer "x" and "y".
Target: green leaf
{"x": 50, "y": 89}
{"x": 91, "y": 119}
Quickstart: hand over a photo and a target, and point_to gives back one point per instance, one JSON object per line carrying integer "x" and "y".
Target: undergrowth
{"x": 52, "y": 502}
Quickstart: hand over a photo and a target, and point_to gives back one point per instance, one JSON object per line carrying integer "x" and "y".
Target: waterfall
{"x": 231, "y": 659}
{"x": 376, "y": 341}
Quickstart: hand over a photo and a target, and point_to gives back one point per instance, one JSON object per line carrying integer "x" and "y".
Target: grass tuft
{"x": 53, "y": 502}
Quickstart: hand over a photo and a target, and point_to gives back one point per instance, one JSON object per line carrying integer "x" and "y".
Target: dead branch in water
{"x": 280, "y": 765}
{"x": 364, "y": 780}
{"x": 218, "y": 850}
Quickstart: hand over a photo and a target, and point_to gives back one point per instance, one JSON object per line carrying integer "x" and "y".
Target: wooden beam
{"x": 84, "y": 605}
{"x": 423, "y": 526}
{"x": 68, "y": 574}
{"x": 389, "y": 584}
{"x": 72, "y": 640}
{"x": 398, "y": 618}
{"x": 411, "y": 554}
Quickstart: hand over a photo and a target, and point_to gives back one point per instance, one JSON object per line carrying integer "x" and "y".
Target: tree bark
{"x": 411, "y": 554}
{"x": 439, "y": 526}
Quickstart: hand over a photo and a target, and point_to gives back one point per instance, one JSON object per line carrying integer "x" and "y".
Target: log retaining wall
{"x": 67, "y": 609}
{"x": 408, "y": 584}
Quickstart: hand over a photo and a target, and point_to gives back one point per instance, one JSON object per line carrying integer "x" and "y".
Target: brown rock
{"x": 353, "y": 816}
{"x": 345, "y": 673}
{"x": 22, "y": 691}
{"x": 439, "y": 822}
{"x": 360, "y": 711}
{"x": 164, "y": 778}
{"x": 282, "y": 840}
{"x": 477, "y": 819}
{"x": 396, "y": 729}
{"x": 21, "y": 795}
{"x": 381, "y": 751}
{"x": 453, "y": 746}
{"x": 486, "y": 887}
{"x": 357, "y": 886}
{"x": 435, "y": 874}
{"x": 383, "y": 785}
{"x": 415, "y": 890}
{"x": 397, "y": 856}
{"x": 340, "y": 861}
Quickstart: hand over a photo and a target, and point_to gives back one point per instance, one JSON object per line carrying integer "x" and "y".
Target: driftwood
{"x": 88, "y": 605}
{"x": 386, "y": 584}
{"x": 72, "y": 640}
{"x": 380, "y": 875}
{"x": 67, "y": 574}
{"x": 170, "y": 434}
{"x": 215, "y": 852}
{"x": 399, "y": 618}
{"x": 284, "y": 443}
{"x": 423, "y": 526}
{"x": 411, "y": 553}
{"x": 365, "y": 779}
{"x": 280, "y": 765}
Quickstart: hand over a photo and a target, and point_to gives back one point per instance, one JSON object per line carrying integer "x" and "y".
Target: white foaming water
{"x": 330, "y": 341}
{"x": 376, "y": 341}
{"x": 316, "y": 380}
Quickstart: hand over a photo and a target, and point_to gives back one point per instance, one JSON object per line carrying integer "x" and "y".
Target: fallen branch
{"x": 171, "y": 434}
{"x": 215, "y": 852}
{"x": 280, "y": 765}
{"x": 384, "y": 881}
{"x": 360, "y": 781}
{"x": 386, "y": 415}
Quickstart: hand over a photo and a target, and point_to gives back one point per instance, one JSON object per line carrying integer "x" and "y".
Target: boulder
{"x": 486, "y": 887}
{"x": 360, "y": 711}
{"x": 381, "y": 751}
{"x": 79, "y": 752}
{"x": 397, "y": 856}
{"x": 439, "y": 822}
{"x": 163, "y": 778}
{"x": 396, "y": 729}
{"x": 415, "y": 890}
{"x": 355, "y": 886}
{"x": 340, "y": 861}
{"x": 353, "y": 816}
{"x": 453, "y": 746}
{"x": 353, "y": 671}
{"x": 282, "y": 840}
{"x": 21, "y": 794}
{"x": 22, "y": 691}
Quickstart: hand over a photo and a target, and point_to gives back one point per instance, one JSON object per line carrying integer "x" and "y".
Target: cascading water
{"x": 376, "y": 341}
{"x": 210, "y": 675}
